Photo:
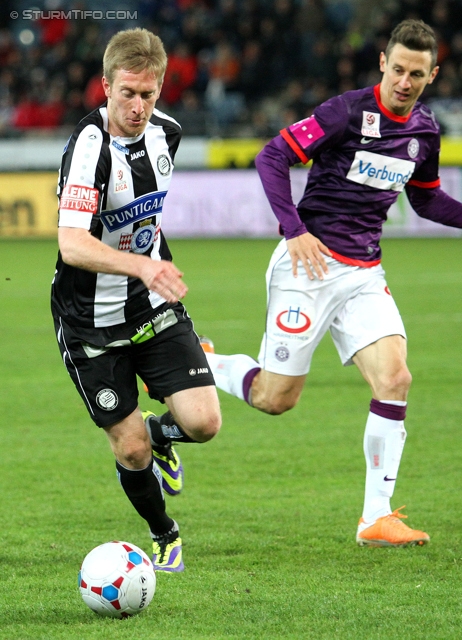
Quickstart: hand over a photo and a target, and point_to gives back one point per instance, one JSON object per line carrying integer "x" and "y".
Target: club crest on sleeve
{"x": 164, "y": 165}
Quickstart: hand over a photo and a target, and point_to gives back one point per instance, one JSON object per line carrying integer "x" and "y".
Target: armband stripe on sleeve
{"x": 425, "y": 185}
{"x": 291, "y": 142}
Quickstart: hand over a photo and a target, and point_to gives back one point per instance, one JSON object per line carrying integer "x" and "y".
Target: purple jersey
{"x": 363, "y": 157}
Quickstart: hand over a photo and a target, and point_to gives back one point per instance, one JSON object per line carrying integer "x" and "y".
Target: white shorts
{"x": 354, "y": 303}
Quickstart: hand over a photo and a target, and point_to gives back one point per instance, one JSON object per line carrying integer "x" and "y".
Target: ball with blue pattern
{"x": 117, "y": 580}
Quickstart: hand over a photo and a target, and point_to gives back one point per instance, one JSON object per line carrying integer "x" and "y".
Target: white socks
{"x": 230, "y": 372}
{"x": 384, "y": 440}
{"x": 384, "y": 436}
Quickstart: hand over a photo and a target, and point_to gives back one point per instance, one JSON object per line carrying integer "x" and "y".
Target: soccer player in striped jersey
{"x": 116, "y": 292}
{"x": 366, "y": 146}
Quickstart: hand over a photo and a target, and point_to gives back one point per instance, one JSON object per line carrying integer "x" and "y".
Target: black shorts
{"x": 171, "y": 361}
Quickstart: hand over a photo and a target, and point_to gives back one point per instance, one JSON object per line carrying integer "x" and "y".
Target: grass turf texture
{"x": 269, "y": 511}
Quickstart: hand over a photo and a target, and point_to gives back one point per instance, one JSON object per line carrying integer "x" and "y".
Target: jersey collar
{"x": 128, "y": 141}
{"x": 385, "y": 111}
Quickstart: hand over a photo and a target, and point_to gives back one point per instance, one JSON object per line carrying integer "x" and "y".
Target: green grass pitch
{"x": 270, "y": 506}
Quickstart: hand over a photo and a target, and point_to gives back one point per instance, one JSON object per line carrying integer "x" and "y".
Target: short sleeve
{"x": 79, "y": 194}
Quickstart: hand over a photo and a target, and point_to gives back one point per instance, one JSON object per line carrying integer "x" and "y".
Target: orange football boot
{"x": 389, "y": 531}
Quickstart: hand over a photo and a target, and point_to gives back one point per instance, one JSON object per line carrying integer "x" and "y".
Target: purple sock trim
{"x": 389, "y": 411}
{"x": 247, "y": 382}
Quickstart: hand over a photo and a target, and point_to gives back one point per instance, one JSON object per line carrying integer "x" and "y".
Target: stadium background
{"x": 239, "y": 70}
{"x": 270, "y": 506}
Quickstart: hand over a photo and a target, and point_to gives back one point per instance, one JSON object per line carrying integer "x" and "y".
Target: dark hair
{"x": 415, "y": 35}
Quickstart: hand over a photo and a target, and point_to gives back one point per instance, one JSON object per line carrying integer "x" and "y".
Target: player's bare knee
{"x": 281, "y": 405}
{"x": 401, "y": 381}
{"x": 207, "y": 428}
{"x": 213, "y": 426}
{"x": 274, "y": 404}
{"x": 134, "y": 454}
{"x": 396, "y": 384}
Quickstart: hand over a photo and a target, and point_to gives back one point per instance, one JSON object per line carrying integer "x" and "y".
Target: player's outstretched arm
{"x": 80, "y": 249}
{"x": 310, "y": 251}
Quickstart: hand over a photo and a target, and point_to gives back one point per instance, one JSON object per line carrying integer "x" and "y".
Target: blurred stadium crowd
{"x": 237, "y": 68}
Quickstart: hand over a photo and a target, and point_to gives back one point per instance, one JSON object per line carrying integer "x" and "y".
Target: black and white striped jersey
{"x": 114, "y": 187}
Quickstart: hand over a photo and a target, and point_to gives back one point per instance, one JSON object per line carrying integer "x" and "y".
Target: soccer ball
{"x": 117, "y": 580}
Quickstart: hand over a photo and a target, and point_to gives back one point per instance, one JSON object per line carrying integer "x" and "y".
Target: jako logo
{"x": 293, "y": 321}
{"x": 137, "y": 154}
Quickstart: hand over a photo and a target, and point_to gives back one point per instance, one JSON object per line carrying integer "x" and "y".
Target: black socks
{"x": 143, "y": 489}
{"x": 164, "y": 430}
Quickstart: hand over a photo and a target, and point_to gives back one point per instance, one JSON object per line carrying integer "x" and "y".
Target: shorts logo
{"x": 78, "y": 198}
{"x": 293, "y": 321}
{"x": 282, "y": 354}
{"x": 107, "y": 399}
{"x": 413, "y": 148}
{"x": 195, "y": 372}
{"x": 143, "y": 238}
{"x": 163, "y": 164}
{"x": 387, "y": 290}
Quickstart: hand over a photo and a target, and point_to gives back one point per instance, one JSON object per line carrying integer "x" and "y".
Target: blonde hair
{"x": 135, "y": 50}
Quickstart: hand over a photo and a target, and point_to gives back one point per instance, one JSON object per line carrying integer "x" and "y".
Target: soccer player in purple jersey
{"x": 366, "y": 147}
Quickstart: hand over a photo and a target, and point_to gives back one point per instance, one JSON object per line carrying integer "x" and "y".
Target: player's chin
{"x": 402, "y": 107}
{"x": 136, "y": 127}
